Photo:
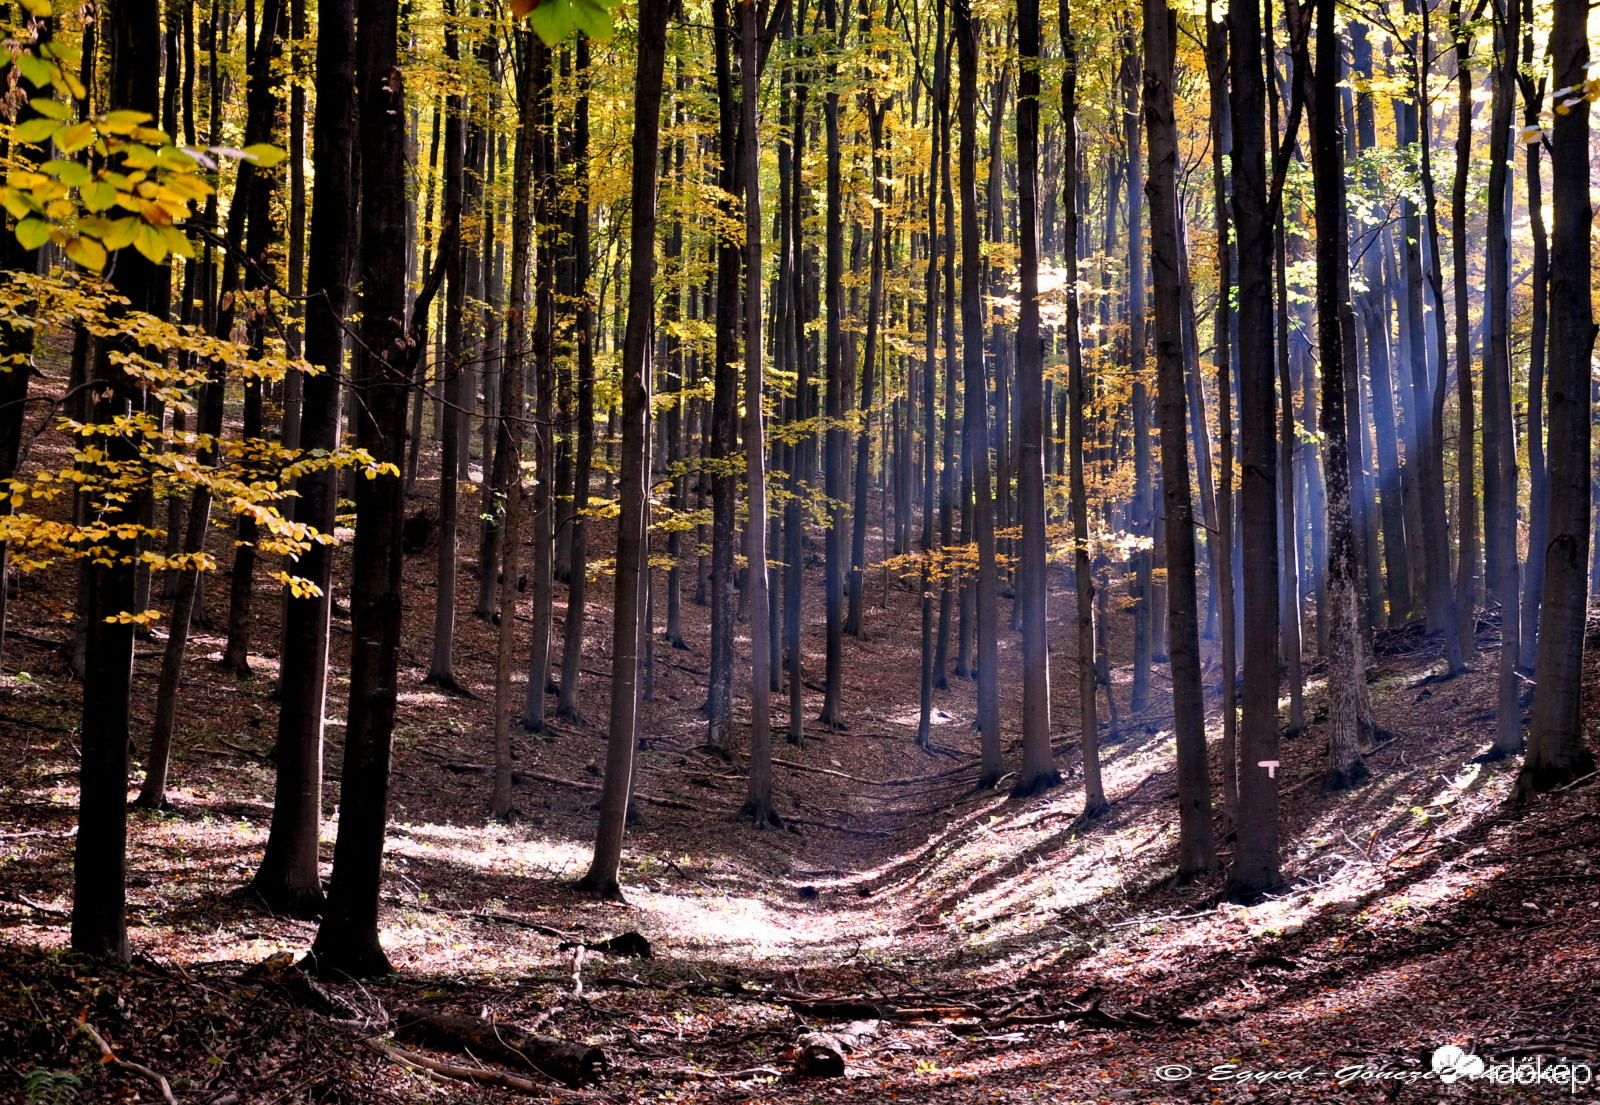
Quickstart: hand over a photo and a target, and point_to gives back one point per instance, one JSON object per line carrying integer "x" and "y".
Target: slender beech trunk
{"x": 1256, "y": 861}
{"x": 1038, "y": 764}
{"x": 288, "y": 880}
{"x": 1346, "y": 670}
{"x": 530, "y": 92}
{"x": 1217, "y": 85}
{"x": 758, "y": 796}
{"x": 725, "y": 404}
{"x": 441, "y": 670}
{"x": 577, "y": 570}
{"x": 975, "y": 429}
{"x": 854, "y": 623}
{"x": 542, "y": 503}
{"x": 347, "y": 940}
{"x": 1468, "y": 554}
{"x": 1141, "y": 505}
{"x": 1196, "y": 848}
{"x": 632, "y": 522}
{"x": 1499, "y": 430}
{"x": 1538, "y": 335}
{"x": 99, "y": 924}
{"x": 1556, "y": 751}
{"x": 1433, "y": 502}
{"x": 930, "y": 374}
{"x": 834, "y": 438}
{"x": 1094, "y": 794}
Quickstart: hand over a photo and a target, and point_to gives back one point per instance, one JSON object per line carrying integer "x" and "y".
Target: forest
{"x": 780, "y": 550}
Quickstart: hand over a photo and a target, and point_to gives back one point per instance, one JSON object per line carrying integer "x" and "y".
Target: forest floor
{"x": 958, "y": 945}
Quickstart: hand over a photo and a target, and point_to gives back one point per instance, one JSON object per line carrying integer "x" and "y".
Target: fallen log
{"x": 570, "y": 1063}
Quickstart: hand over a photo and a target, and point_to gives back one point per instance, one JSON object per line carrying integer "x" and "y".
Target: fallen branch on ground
{"x": 560, "y": 1060}
{"x": 109, "y": 1056}
{"x": 22, "y": 900}
{"x": 485, "y": 1075}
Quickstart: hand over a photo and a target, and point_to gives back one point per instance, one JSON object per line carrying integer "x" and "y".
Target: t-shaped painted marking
{"x": 1271, "y": 766}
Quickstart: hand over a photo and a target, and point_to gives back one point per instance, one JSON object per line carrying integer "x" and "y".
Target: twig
{"x": 140, "y": 1069}
{"x": 40, "y": 906}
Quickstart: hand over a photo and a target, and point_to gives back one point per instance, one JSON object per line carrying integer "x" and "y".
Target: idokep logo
{"x": 1451, "y": 1063}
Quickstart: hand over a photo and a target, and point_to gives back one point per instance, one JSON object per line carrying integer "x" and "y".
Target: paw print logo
{"x": 1451, "y": 1063}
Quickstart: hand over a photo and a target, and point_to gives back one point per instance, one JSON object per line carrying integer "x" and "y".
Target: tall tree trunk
{"x": 1556, "y": 751}
{"x": 99, "y": 925}
{"x": 1217, "y": 84}
{"x": 288, "y": 880}
{"x": 1094, "y": 794}
{"x": 1256, "y": 862}
{"x": 347, "y": 941}
{"x": 1346, "y": 669}
{"x": 1141, "y": 505}
{"x": 1538, "y": 336}
{"x": 1290, "y": 578}
{"x": 530, "y": 92}
{"x": 542, "y": 503}
{"x": 930, "y": 374}
{"x": 577, "y": 570}
{"x": 758, "y": 796}
{"x": 724, "y": 413}
{"x": 975, "y": 428}
{"x": 1433, "y": 501}
{"x": 441, "y": 670}
{"x": 1196, "y": 848}
{"x": 1038, "y": 764}
{"x": 1468, "y": 554}
{"x": 854, "y": 623}
{"x": 602, "y": 877}
{"x": 834, "y": 440}
{"x": 1499, "y": 431}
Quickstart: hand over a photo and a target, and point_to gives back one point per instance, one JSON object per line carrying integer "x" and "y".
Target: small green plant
{"x": 51, "y": 1087}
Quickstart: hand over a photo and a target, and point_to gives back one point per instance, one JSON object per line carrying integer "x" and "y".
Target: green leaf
{"x": 121, "y": 233}
{"x": 50, "y": 109}
{"x": 39, "y": 9}
{"x": 17, "y": 202}
{"x": 128, "y": 118}
{"x": 148, "y": 241}
{"x": 34, "y": 69}
{"x": 552, "y": 20}
{"x": 98, "y": 195}
{"x": 73, "y": 174}
{"x": 75, "y": 137}
{"x": 35, "y": 130}
{"x": 264, "y": 155}
{"x": 593, "y": 19}
{"x": 33, "y": 233}
{"x": 60, "y": 51}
